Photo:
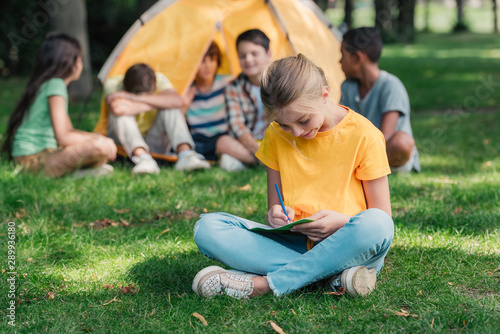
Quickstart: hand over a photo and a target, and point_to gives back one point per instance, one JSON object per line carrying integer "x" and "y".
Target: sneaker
{"x": 358, "y": 281}
{"x": 230, "y": 164}
{"x": 191, "y": 161}
{"x": 215, "y": 281}
{"x": 145, "y": 164}
{"x": 104, "y": 169}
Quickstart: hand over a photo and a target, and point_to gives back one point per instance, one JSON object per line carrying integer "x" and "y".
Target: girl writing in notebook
{"x": 330, "y": 165}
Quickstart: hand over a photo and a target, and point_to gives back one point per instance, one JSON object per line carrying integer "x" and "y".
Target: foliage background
{"x": 108, "y": 20}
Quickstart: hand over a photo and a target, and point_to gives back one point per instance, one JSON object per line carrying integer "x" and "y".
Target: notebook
{"x": 282, "y": 229}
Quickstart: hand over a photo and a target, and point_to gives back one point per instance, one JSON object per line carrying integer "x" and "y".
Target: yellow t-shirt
{"x": 145, "y": 119}
{"x": 325, "y": 173}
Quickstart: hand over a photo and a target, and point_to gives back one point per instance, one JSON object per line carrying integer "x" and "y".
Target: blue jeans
{"x": 284, "y": 259}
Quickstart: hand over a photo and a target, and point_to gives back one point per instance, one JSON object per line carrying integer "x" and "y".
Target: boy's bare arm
{"x": 389, "y": 123}
{"x": 249, "y": 142}
{"x": 126, "y": 107}
{"x": 165, "y": 99}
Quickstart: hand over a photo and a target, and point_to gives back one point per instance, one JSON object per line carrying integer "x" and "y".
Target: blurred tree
{"x": 460, "y": 25}
{"x": 383, "y": 18}
{"x": 108, "y": 21}
{"x": 24, "y": 26}
{"x": 427, "y": 15}
{"x": 495, "y": 17}
{"x": 406, "y": 22}
{"x": 71, "y": 18}
{"x": 348, "y": 9}
{"x": 395, "y": 19}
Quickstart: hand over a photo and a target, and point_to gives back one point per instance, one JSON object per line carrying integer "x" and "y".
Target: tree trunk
{"x": 348, "y": 9}
{"x": 427, "y": 15}
{"x": 495, "y": 17}
{"x": 460, "y": 11}
{"x": 383, "y": 18}
{"x": 406, "y": 22}
{"x": 460, "y": 16}
{"x": 71, "y": 18}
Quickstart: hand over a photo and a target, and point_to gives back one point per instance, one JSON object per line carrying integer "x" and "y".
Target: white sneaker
{"x": 145, "y": 164}
{"x": 215, "y": 281}
{"x": 359, "y": 281}
{"x": 191, "y": 161}
{"x": 103, "y": 169}
{"x": 230, "y": 164}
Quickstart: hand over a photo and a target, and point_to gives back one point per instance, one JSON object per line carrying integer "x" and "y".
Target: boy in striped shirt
{"x": 206, "y": 116}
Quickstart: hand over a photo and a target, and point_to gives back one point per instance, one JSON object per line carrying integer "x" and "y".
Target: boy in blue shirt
{"x": 379, "y": 96}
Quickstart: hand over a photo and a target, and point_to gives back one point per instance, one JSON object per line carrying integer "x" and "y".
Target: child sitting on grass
{"x": 206, "y": 116}
{"x": 246, "y": 116}
{"x": 145, "y": 117}
{"x": 330, "y": 164}
{"x": 40, "y": 136}
{"x": 379, "y": 96}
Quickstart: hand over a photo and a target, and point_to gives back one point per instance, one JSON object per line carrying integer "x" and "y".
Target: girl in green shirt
{"x": 40, "y": 135}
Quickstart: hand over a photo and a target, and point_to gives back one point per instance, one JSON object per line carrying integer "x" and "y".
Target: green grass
{"x": 444, "y": 71}
{"x": 443, "y": 268}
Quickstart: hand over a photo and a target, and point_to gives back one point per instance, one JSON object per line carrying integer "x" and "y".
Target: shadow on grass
{"x": 170, "y": 275}
{"x": 440, "y": 283}
{"x": 100, "y": 310}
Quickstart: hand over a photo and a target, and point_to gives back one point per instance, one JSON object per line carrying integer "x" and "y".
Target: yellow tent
{"x": 172, "y": 37}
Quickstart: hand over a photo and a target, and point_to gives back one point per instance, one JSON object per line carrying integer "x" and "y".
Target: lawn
{"x": 134, "y": 273}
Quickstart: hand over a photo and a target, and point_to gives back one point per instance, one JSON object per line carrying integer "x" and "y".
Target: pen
{"x": 281, "y": 201}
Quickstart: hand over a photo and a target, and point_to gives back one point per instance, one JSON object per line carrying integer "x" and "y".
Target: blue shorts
{"x": 206, "y": 145}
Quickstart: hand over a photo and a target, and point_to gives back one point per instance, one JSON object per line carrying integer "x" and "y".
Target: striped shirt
{"x": 207, "y": 113}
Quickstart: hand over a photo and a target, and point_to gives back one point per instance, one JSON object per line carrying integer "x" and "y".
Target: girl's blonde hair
{"x": 288, "y": 79}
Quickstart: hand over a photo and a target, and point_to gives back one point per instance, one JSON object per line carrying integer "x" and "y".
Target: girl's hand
{"x": 326, "y": 222}
{"x": 276, "y": 217}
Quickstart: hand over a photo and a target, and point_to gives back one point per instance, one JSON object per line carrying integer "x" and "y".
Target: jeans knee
{"x": 375, "y": 223}
{"x": 205, "y": 226}
{"x": 380, "y": 220}
{"x": 200, "y": 227}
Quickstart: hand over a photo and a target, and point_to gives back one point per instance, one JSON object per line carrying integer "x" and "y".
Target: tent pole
{"x": 281, "y": 23}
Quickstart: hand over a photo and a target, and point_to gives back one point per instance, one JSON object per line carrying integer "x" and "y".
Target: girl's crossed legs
{"x": 283, "y": 259}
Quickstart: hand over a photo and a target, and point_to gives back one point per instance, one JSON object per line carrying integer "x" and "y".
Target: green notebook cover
{"x": 282, "y": 229}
